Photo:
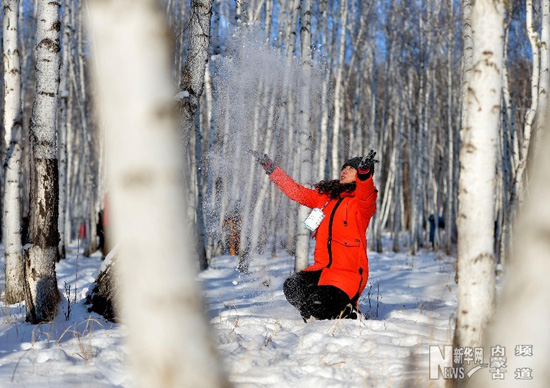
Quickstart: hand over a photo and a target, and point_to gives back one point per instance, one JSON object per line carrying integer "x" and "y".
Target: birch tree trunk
{"x": 288, "y": 112}
{"x": 238, "y": 12}
{"x": 417, "y": 145}
{"x": 13, "y": 126}
{"x": 338, "y": 98}
{"x": 305, "y": 141}
{"x": 398, "y": 206}
{"x": 467, "y": 55}
{"x": 379, "y": 219}
{"x": 63, "y": 125}
{"x": 450, "y": 197}
{"x": 268, "y": 19}
{"x": 258, "y": 212}
{"x": 476, "y": 277}
{"x": 538, "y": 90}
{"x": 525, "y": 291}
{"x": 88, "y": 199}
{"x": 42, "y": 295}
{"x": 191, "y": 87}
{"x": 168, "y": 333}
{"x": 535, "y": 43}
{"x": 323, "y": 137}
{"x": 544, "y": 70}
{"x": 201, "y": 227}
{"x": 414, "y": 175}
{"x": 508, "y": 132}
{"x": 518, "y": 177}
{"x": 293, "y": 8}
{"x": 212, "y": 203}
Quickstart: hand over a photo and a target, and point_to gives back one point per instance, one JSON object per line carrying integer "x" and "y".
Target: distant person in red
{"x": 331, "y": 287}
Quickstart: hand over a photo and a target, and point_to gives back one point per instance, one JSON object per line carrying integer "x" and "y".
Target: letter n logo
{"x": 439, "y": 360}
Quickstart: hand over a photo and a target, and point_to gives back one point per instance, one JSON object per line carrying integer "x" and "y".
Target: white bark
{"x": 238, "y": 12}
{"x": 42, "y": 295}
{"x": 13, "y": 121}
{"x": 534, "y": 41}
{"x": 323, "y": 141}
{"x": 88, "y": 179}
{"x": 212, "y": 203}
{"x": 450, "y": 194}
{"x": 540, "y": 57}
{"x": 389, "y": 69}
{"x": 288, "y": 111}
{"x": 197, "y": 57}
{"x": 423, "y": 163}
{"x": 258, "y": 217}
{"x": 516, "y": 191}
{"x": 397, "y": 204}
{"x": 64, "y": 87}
{"x": 192, "y": 86}
{"x": 476, "y": 279}
{"x": 338, "y": 97}
{"x": 544, "y": 88}
{"x": 268, "y": 19}
{"x": 246, "y": 248}
{"x": 468, "y": 47}
{"x": 169, "y": 343}
{"x": 413, "y": 177}
{"x": 291, "y": 25}
{"x": 526, "y": 285}
{"x": 291, "y": 146}
{"x": 201, "y": 228}
{"x": 305, "y": 141}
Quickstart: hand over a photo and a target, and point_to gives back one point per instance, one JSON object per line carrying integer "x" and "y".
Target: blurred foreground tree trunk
{"x": 42, "y": 295}
{"x": 170, "y": 344}
{"x": 13, "y": 126}
{"x": 476, "y": 221}
{"x": 526, "y": 340}
{"x": 520, "y": 325}
{"x": 525, "y": 150}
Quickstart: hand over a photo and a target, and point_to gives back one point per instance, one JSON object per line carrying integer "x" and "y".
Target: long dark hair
{"x": 334, "y": 188}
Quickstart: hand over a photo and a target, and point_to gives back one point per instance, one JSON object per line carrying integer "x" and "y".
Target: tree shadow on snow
{"x": 378, "y": 310}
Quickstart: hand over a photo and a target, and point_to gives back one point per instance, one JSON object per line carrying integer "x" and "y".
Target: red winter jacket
{"x": 341, "y": 248}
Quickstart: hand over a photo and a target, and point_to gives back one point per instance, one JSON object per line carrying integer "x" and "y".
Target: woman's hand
{"x": 264, "y": 160}
{"x": 366, "y": 166}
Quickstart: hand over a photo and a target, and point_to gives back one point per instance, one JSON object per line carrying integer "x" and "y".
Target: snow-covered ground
{"x": 263, "y": 341}
{"x": 76, "y": 350}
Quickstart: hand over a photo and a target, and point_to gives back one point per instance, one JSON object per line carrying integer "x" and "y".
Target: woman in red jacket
{"x": 331, "y": 287}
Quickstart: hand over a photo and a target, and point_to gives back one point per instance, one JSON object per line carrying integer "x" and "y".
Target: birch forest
{"x": 451, "y": 94}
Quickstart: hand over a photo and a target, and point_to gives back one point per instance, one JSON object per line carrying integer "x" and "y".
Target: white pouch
{"x": 314, "y": 219}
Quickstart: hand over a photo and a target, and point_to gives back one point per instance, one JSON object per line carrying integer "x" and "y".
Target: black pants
{"x": 321, "y": 302}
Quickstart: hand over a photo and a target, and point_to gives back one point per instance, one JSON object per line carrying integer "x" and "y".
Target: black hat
{"x": 353, "y": 162}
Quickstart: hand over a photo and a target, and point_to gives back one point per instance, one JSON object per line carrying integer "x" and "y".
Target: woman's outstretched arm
{"x": 293, "y": 190}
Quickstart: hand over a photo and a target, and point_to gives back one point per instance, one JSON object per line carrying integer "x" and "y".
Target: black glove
{"x": 366, "y": 166}
{"x": 265, "y": 161}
